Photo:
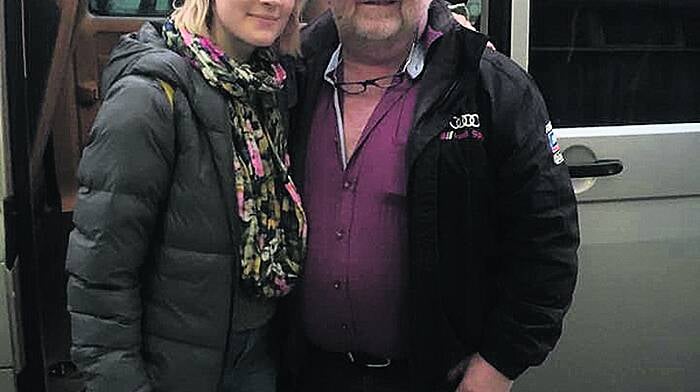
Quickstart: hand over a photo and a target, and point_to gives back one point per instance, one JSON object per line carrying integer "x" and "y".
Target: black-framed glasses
{"x": 383, "y": 82}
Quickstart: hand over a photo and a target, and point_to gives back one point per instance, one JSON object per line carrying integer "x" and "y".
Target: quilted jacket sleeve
{"x": 124, "y": 176}
{"x": 538, "y": 223}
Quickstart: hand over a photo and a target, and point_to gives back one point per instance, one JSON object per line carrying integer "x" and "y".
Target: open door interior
{"x": 62, "y": 99}
{"x": 98, "y": 26}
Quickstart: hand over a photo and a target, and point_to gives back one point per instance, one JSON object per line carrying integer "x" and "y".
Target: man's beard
{"x": 369, "y": 29}
{"x": 378, "y": 27}
{"x": 377, "y": 30}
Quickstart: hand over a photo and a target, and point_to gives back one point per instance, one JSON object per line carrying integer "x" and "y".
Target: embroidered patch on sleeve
{"x": 557, "y": 155}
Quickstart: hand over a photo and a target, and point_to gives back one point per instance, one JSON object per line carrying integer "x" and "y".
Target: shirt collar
{"x": 413, "y": 67}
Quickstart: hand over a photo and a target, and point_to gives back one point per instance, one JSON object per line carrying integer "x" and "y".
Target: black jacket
{"x": 493, "y": 223}
{"x": 153, "y": 258}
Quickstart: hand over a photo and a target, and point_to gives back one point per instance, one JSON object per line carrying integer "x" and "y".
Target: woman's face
{"x": 254, "y": 23}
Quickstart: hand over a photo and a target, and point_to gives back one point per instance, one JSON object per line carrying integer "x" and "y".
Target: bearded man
{"x": 442, "y": 223}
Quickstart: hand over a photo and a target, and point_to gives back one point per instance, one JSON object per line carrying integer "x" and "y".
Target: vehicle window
{"x": 610, "y": 62}
{"x": 131, "y": 7}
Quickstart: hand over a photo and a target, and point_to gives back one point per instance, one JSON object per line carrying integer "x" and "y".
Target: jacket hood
{"x": 144, "y": 53}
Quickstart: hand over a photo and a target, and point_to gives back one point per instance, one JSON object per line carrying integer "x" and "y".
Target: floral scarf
{"x": 273, "y": 239}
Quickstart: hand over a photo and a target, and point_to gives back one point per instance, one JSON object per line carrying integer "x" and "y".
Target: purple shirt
{"x": 355, "y": 271}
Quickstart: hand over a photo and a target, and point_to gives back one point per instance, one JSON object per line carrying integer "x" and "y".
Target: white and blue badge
{"x": 553, "y": 144}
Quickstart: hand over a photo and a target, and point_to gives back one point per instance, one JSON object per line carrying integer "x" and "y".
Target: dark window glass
{"x": 610, "y": 62}
{"x": 131, "y": 7}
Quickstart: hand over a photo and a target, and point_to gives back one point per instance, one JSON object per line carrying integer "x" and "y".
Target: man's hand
{"x": 480, "y": 376}
{"x": 461, "y": 19}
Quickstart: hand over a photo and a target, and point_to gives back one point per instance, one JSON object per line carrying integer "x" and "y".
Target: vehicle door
{"x": 11, "y": 355}
{"x": 99, "y": 25}
{"x": 56, "y": 50}
{"x": 621, "y": 80}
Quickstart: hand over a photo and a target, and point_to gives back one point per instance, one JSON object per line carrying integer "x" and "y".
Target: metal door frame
{"x": 21, "y": 264}
{"x": 11, "y": 353}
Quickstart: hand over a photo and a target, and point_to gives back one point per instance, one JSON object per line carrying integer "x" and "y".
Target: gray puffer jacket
{"x": 153, "y": 259}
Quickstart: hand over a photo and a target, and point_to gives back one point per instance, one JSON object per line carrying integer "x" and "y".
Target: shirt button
{"x": 347, "y": 185}
{"x": 344, "y": 326}
{"x": 336, "y": 284}
{"x": 339, "y": 234}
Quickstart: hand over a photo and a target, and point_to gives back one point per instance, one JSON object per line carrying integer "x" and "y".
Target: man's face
{"x": 377, "y": 20}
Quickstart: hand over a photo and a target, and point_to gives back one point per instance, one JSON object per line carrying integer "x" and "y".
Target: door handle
{"x": 599, "y": 168}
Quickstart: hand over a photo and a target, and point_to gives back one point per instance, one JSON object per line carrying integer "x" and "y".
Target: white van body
{"x": 635, "y": 318}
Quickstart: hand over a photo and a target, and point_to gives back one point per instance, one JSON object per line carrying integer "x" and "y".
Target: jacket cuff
{"x": 503, "y": 362}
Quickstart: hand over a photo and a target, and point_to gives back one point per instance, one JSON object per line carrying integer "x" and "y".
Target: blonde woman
{"x": 188, "y": 226}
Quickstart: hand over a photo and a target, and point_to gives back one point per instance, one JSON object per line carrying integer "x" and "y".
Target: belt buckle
{"x": 386, "y": 362}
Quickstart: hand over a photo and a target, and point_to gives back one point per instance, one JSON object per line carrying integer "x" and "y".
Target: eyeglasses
{"x": 383, "y": 82}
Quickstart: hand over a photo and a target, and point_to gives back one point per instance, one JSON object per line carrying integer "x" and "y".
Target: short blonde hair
{"x": 195, "y": 17}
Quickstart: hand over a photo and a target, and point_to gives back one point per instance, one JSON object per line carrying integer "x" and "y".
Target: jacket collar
{"x": 437, "y": 78}
{"x": 320, "y": 36}
{"x": 459, "y": 59}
